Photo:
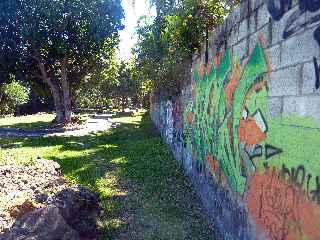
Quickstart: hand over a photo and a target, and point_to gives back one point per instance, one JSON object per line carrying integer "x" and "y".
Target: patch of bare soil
{"x": 36, "y": 202}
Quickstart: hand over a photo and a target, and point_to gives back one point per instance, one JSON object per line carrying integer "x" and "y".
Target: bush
{"x": 11, "y": 96}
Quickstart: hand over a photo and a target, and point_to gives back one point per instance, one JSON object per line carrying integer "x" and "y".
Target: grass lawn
{"x": 35, "y": 121}
{"x": 144, "y": 192}
{"x": 32, "y": 122}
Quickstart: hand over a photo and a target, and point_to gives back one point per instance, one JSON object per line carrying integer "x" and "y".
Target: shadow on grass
{"x": 29, "y": 126}
{"x": 144, "y": 192}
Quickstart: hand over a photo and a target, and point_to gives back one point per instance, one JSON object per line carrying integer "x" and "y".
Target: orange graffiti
{"x": 200, "y": 71}
{"x": 280, "y": 209}
{"x": 190, "y": 116}
{"x": 208, "y": 69}
{"x": 232, "y": 84}
{"x": 212, "y": 163}
{"x": 194, "y": 91}
{"x": 217, "y": 60}
{"x": 263, "y": 44}
{"x": 249, "y": 132}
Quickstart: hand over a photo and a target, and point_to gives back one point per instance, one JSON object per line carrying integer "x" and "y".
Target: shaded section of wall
{"x": 247, "y": 129}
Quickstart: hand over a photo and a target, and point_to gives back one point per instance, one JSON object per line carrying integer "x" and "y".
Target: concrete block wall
{"x": 247, "y": 128}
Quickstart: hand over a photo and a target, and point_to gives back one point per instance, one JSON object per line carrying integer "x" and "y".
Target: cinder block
{"x": 279, "y": 27}
{"x": 275, "y": 105}
{"x": 301, "y": 48}
{"x": 236, "y": 14}
{"x": 244, "y": 29}
{"x": 254, "y": 38}
{"x": 309, "y": 78}
{"x": 273, "y": 54}
{"x": 284, "y": 82}
{"x": 257, "y": 3}
{"x": 304, "y": 106}
{"x": 240, "y": 49}
{"x": 233, "y": 37}
{"x": 245, "y": 9}
{"x": 262, "y": 16}
{"x": 233, "y": 18}
{"x": 310, "y": 16}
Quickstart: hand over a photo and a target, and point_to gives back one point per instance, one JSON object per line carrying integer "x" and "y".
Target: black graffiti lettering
{"x": 285, "y": 173}
{"x": 257, "y": 152}
{"x": 277, "y": 8}
{"x": 271, "y": 151}
{"x": 292, "y": 24}
{"x": 294, "y": 176}
{"x": 310, "y": 5}
{"x": 316, "y": 193}
{"x": 308, "y": 184}
{"x": 299, "y": 176}
{"x": 316, "y": 70}
{"x": 316, "y": 33}
{"x": 266, "y": 166}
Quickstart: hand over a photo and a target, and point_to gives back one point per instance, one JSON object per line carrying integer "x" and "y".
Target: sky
{"x": 132, "y": 14}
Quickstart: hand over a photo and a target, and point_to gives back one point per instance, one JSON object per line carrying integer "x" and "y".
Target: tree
{"x": 118, "y": 83}
{"x": 101, "y": 83}
{"x": 59, "y": 41}
{"x": 166, "y": 43}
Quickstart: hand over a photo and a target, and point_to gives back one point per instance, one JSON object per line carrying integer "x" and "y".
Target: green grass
{"x": 143, "y": 190}
{"x": 33, "y": 122}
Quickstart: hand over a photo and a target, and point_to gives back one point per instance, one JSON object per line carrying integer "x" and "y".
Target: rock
{"x": 19, "y": 210}
{"x": 42, "y": 224}
{"x": 36, "y": 203}
{"x": 35, "y": 182}
{"x": 41, "y": 198}
{"x": 80, "y": 209}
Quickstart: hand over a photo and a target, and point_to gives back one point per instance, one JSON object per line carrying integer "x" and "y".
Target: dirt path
{"x": 100, "y": 122}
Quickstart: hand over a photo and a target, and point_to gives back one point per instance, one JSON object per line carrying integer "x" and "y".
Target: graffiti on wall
{"x": 169, "y": 122}
{"x": 228, "y": 130}
{"x": 227, "y": 124}
{"x": 266, "y": 169}
{"x": 280, "y": 208}
{"x": 297, "y": 21}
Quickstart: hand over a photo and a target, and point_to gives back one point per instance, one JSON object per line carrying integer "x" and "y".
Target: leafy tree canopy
{"x": 58, "y": 42}
{"x": 166, "y": 43}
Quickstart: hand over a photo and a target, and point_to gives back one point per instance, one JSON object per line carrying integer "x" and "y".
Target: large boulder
{"x": 80, "y": 209}
{"x": 71, "y": 214}
{"x": 42, "y": 224}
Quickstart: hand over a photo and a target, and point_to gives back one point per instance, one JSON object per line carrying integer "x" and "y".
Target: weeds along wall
{"x": 247, "y": 127}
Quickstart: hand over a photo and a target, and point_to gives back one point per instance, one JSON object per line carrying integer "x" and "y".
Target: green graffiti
{"x": 214, "y": 126}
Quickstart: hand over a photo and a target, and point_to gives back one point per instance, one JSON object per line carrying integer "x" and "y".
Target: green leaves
{"x": 51, "y": 30}
{"x": 11, "y": 95}
{"x": 166, "y": 45}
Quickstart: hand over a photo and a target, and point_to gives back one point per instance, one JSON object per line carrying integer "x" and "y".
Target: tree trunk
{"x": 123, "y": 104}
{"x": 66, "y": 91}
{"x": 56, "y": 93}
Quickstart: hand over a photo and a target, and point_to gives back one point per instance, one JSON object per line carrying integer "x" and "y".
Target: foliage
{"x": 167, "y": 43}
{"x": 116, "y": 86}
{"x": 66, "y": 40}
{"x": 12, "y": 95}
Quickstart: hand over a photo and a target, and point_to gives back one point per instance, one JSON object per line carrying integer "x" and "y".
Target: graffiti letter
{"x": 316, "y": 71}
{"x": 277, "y": 8}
